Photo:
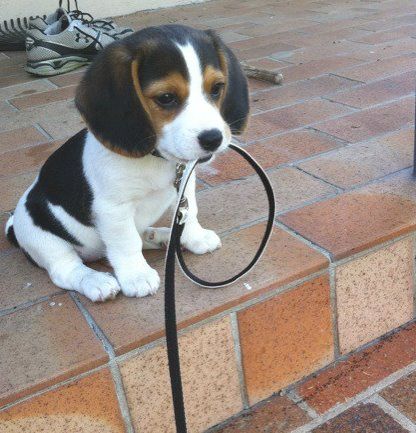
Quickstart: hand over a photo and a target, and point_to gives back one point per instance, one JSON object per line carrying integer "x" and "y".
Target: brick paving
{"x": 326, "y": 318}
{"x": 372, "y": 390}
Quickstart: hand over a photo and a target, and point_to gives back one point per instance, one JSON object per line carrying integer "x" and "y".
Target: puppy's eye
{"x": 167, "y": 100}
{"x": 217, "y": 89}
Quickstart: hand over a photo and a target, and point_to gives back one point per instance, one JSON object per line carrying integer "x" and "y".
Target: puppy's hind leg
{"x": 67, "y": 270}
{"x": 70, "y": 273}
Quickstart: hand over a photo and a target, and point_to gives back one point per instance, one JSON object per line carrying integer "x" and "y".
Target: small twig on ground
{"x": 262, "y": 74}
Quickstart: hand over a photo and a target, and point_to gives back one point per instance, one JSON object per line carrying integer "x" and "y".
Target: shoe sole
{"x": 57, "y": 66}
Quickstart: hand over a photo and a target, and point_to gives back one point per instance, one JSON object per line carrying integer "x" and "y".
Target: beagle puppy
{"x": 162, "y": 96}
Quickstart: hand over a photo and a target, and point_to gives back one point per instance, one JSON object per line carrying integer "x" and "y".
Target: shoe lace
{"x": 85, "y": 17}
{"x": 68, "y": 4}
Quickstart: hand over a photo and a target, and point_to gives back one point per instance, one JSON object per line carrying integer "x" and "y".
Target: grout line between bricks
{"x": 321, "y": 198}
{"x": 220, "y": 426}
{"x": 317, "y": 156}
{"x": 54, "y": 86}
{"x": 342, "y": 407}
{"x": 114, "y": 368}
{"x": 93, "y": 325}
{"x": 334, "y": 309}
{"x": 28, "y": 304}
{"x": 339, "y": 102}
{"x": 121, "y": 396}
{"x": 338, "y": 189}
{"x": 329, "y": 152}
{"x": 313, "y": 124}
{"x": 286, "y": 62}
{"x": 261, "y": 92}
{"x": 414, "y": 273}
{"x": 337, "y": 262}
{"x": 53, "y": 387}
{"x": 306, "y": 241}
{"x": 324, "y": 98}
{"x": 344, "y": 142}
{"x": 7, "y": 102}
{"x": 40, "y": 93}
{"x": 371, "y": 81}
{"x": 309, "y": 99}
{"x": 304, "y": 101}
{"x": 370, "y": 107}
{"x": 204, "y": 183}
{"x": 237, "y": 349}
{"x": 358, "y": 83}
{"x": 378, "y": 180}
{"x": 348, "y": 145}
{"x": 373, "y": 249}
{"x": 393, "y": 412}
{"x": 43, "y": 131}
{"x": 359, "y": 42}
{"x": 254, "y": 222}
{"x": 295, "y": 397}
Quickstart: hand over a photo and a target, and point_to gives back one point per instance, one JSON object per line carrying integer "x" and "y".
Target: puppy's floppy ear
{"x": 235, "y": 105}
{"x": 110, "y": 101}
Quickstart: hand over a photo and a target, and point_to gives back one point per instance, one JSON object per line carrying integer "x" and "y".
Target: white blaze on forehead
{"x": 179, "y": 137}
{"x": 193, "y": 65}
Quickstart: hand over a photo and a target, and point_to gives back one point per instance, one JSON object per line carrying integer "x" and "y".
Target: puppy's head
{"x": 172, "y": 88}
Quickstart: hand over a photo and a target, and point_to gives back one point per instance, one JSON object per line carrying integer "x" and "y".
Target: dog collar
{"x": 155, "y": 152}
{"x": 180, "y": 168}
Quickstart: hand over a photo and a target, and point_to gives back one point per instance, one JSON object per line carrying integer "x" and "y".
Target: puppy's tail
{"x": 10, "y": 232}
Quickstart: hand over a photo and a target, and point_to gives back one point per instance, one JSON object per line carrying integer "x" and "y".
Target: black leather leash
{"x": 174, "y": 250}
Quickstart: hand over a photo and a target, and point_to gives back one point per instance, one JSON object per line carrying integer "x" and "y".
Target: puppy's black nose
{"x": 210, "y": 140}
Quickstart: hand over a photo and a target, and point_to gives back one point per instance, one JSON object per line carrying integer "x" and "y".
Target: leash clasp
{"x": 182, "y": 211}
{"x": 183, "y": 204}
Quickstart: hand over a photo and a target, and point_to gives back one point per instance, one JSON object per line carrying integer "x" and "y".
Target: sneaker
{"x": 63, "y": 46}
{"x": 13, "y": 33}
{"x": 108, "y": 26}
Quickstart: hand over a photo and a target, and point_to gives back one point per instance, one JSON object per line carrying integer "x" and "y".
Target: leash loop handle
{"x": 173, "y": 251}
{"x": 269, "y": 228}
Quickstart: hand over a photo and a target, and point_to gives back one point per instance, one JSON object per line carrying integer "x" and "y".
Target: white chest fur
{"x": 120, "y": 179}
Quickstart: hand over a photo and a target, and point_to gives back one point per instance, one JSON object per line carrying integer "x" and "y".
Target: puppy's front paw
{"x": 141, "y": 283}
{"x": 99, "y": 286}
{"x": 200, "y": 241}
